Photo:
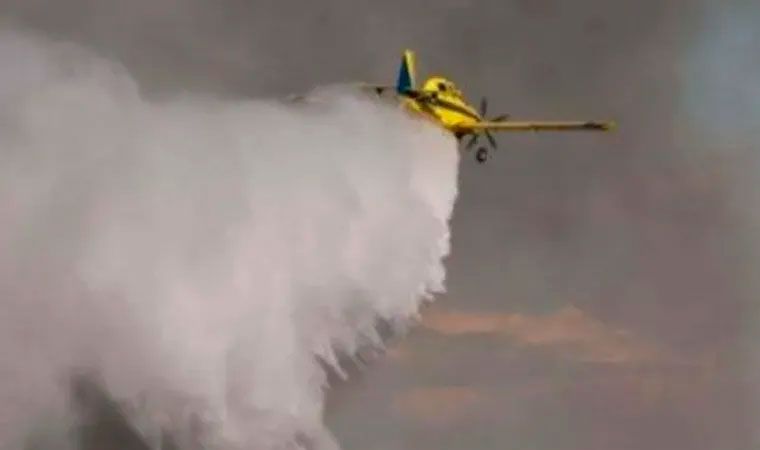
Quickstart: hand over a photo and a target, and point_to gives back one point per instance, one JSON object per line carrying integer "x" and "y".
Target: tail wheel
{"x": 481, "y": 155}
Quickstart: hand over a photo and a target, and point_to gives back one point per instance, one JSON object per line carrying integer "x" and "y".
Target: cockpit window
{"x": 442, "y": 86}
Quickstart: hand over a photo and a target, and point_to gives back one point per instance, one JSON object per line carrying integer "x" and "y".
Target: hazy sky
{"x": 600, "y": 287}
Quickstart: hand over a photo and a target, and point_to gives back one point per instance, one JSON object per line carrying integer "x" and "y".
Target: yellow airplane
{"x": 441, "y": 101}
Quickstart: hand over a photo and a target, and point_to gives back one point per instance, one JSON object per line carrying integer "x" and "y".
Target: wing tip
{"x": 603, "y": 126}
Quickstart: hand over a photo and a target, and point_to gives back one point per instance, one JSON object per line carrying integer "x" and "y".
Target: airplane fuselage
{"x": 445, "y": 105}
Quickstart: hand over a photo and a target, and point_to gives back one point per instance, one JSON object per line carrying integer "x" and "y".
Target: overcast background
{"x": 601, "y": 287}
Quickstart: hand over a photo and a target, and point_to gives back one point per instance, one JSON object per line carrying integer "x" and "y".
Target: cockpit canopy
{"x": 442, "y": 86}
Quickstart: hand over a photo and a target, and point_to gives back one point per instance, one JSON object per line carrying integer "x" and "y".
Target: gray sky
{"x": 600, "y": 289}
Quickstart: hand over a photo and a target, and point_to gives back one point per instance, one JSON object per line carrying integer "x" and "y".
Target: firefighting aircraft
{"x": 439, "y": 100}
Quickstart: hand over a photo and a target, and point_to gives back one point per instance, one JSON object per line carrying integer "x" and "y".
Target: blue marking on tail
{"x": 404, "y": 82}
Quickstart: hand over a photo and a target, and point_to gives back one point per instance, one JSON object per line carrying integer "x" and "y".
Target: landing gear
{"x": 481, "y": 155}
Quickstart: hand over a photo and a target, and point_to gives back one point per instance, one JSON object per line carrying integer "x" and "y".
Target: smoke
{"x": 203, "y": 258}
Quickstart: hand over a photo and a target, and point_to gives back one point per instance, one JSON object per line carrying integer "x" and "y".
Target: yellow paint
{"x": 441, "y": 101}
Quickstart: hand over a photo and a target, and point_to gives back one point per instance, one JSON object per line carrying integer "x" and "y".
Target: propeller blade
{"x": 483, "y": 106}
{"x": 491, "y": 139}
{"x": 500, "y": 118}
{"x": 472, "y": 141}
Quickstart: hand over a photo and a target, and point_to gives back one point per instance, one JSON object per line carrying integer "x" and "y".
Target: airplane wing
{"x": 509, "y": 125}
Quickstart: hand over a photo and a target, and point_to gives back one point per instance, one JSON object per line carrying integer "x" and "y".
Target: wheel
{"x": 481, "y": 155}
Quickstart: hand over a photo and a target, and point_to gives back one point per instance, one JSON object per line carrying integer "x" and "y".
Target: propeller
{"x": 472, "y": 141}
{"x": 483, "y": 110}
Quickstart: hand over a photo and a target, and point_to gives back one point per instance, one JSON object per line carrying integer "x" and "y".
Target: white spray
{"x": 202, "y": 252}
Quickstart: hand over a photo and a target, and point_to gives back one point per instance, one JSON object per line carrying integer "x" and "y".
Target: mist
{"x": 206, "y": 261}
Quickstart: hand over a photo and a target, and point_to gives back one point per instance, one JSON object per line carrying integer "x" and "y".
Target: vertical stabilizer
{"x": 406, "y": 74}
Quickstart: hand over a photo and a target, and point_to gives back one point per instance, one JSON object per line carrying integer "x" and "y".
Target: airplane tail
{"x": 406, "y": 75}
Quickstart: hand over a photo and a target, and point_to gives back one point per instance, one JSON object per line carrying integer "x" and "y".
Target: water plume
{"x": 204, "y": 260}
